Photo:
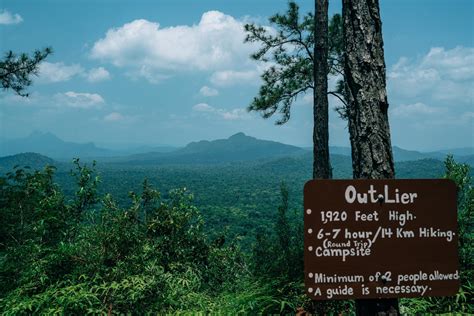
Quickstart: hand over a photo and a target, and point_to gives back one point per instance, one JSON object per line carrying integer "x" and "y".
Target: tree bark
{"x": 321, "y": 164}
{"x": 369, "y": 130}
{"x": 364, "y": 68}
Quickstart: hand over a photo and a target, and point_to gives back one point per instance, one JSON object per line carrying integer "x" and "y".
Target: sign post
{"x": 372, "y": 239}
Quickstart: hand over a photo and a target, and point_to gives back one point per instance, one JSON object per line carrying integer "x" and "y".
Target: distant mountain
{"x": 243, "y": 146}
{"x": 238, "y": 147}
{"x": 463, "y": 151}
{"x": 400, "y": 154}
{"x": 32, "y": 160}
{"x": 464, "y": 155}
{"x": 339, "y": 150}
{"x": 465, "y": 159}
{"x": 50, "y": 145}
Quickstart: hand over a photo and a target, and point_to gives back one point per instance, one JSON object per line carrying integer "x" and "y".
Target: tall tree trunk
{"x": 364, "y": 68}
{"x": 321, "y": 165}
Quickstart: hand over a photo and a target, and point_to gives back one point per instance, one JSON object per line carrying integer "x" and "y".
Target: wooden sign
{"x": 380, "y": 239}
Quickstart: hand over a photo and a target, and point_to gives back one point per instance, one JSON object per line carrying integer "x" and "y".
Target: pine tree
{"x": 16, "y": 71}
{"x": 301, "y": 64}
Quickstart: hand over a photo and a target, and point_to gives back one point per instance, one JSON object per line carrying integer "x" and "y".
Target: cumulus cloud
{"x": 229, "y": 115}
{"x": 203, "y": 107}
{"x": 79, "y": 100}
{"x": 215, "y": 43}
{"x": 442, "y": 74}
{"x": 208, "y": 92}
{"x": 113, "y": 117}
{"x": 8, "y": 18}
{"x": 57, "y": 72}
{"x": 69, "y": 99}
{"x": 234, "y": 114}
{"x": 60, "y": 72}
{"x": 148, "y": 73}
{"x": 98, "y": 74}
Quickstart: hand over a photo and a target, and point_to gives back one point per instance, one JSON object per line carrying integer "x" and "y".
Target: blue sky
{"x": 171, "y": 72}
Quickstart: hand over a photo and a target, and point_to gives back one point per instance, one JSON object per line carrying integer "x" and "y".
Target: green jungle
{"x": 118, "y": 237}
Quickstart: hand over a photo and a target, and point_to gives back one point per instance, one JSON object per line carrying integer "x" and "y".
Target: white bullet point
{"x": 310, "y": 231}
{"x": 310, "y": 290}
{"x": 310, "y": 275}
{"x": 310, "y": 248}
{"x": 308, "y": 211}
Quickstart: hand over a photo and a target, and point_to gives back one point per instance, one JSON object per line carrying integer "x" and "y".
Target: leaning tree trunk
{"x": 321, "y": 164}
{"x": 364, "y": 69}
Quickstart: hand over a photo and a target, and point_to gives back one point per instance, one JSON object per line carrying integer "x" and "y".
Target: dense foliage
{"x": 241, "y": 196}
{"x": 87, "y": 255}
{"x": 463, "y": 301}
{"x": 83, "y": 252}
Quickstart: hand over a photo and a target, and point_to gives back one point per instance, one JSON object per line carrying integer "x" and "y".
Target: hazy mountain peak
{"x": 48, "y": 144}
{"x": 43, "y": 136}
{"x": 238, "y": 147}
{"x": 31, "y": 160}
{"x": 239, "y": 135}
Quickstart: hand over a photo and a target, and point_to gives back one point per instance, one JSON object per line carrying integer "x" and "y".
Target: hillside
{"x": 31, "y": 160}
{"x": 464, "y": 155}
{"x": 238, "y": 147}
{"x": 50, "y": 145}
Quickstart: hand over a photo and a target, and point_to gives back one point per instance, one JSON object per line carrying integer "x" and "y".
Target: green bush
{"x": 88, "y": 255}
{"x": 462, "y": 302}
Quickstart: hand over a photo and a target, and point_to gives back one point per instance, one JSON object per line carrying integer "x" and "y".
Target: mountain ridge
{"x": 237, "y": 147}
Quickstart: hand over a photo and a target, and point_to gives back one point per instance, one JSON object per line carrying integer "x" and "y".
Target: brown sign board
{"x": 380, "y": 239}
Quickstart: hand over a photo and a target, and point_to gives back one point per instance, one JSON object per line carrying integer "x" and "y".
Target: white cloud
{"x": 208, "y": 92}
{"x": 203, "y": 107}
{"x": 215, "y": 43}
{"x": 442, "y": 74}
{"x": 229, "y": 115}
{"x": 79, "y": 100}
{"x": 149, "y": 74}
{"x": 456, "y": 64}
{"x": 415, "y": 109}
{"x": 227, "y": 78}
{"x": 113, "y": 117}
{"x": 235, "y": 114}
{"x": 57, "y": 72}
{"x": 98, "y": 74}
{"x": 8, "y": 18}
{"x": 60, "y": 72}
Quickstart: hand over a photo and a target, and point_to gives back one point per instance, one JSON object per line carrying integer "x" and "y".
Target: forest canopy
{"x": 86, "y": 254}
